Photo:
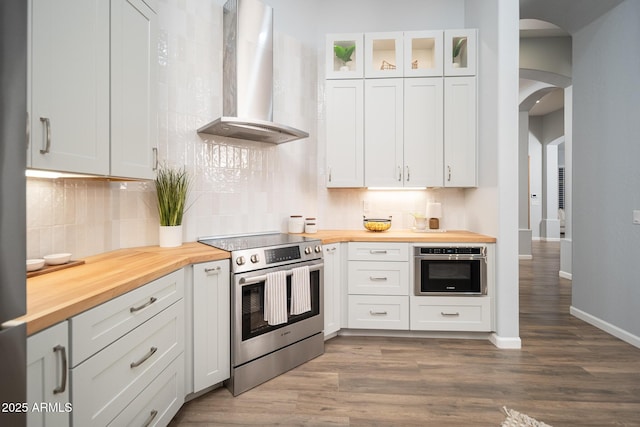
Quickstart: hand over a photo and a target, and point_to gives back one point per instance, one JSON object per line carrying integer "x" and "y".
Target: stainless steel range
{"x": 277, "y": 304}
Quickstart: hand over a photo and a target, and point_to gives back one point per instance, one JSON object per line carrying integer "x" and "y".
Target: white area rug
{"x": 516, "y": 419}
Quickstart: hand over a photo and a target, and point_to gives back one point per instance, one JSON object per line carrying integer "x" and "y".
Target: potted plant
{"x": 457, "y": 49}
{"x": 344, "y": 55}
{"x": 172, "y": 188}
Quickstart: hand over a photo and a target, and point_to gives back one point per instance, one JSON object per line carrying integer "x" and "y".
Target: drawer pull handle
{"x": 378, "y": 313}
{"x": 152, "y": 415}
{"x": 378, "y": 279}
{"x": 377, "y": 252}
{"x": 63, "y": 352}
{"x": 146, "y": 304}
{"x": 144, "y": 358}
{"x": 212, "y": 271}
{"x": 450, "y": 314}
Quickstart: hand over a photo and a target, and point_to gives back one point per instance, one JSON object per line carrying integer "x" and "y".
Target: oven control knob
{"x": 318, "y": 249}
{"x": 308, "y": 250}
{"x": 255, "y": 258}
{"x": 240, "y": 260}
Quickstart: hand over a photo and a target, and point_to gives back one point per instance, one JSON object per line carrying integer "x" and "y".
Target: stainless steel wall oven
{"x": 450, "y": 270}
{"x": 260, "y": 348}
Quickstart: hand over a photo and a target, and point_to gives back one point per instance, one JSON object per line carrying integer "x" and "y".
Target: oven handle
{"x": 258, "y": 279}
{"x": 451, "y": 257}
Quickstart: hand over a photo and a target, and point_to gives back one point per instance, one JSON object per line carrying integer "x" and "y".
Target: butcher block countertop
{"x": 59, "y": 295}
{"x": 453, "y": 236}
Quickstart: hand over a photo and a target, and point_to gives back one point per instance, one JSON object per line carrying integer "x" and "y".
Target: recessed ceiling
{"x": 550, "y": 102}
{"x": 538, "y": 28}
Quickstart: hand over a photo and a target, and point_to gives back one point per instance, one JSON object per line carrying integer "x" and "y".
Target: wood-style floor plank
{"x": 568, "y": 373}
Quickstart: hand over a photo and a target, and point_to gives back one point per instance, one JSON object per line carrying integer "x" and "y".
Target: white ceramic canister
{"x": 296, "y": 224}
{"x": 310, "y": 225}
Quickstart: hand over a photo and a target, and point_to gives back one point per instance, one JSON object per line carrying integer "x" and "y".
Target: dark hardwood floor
{"x": 568, "y": 373}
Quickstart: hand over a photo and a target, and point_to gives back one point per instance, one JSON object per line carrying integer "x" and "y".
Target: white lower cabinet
{"x": 47, "y": 377}
{"x": 378, "y": 284}
{"x": 333, "y": 272}
{"x": 211, "y": 324}
{"x": 378, "y": 312}
{"x": 134, "y": 364}
{"x": 443, "y": 313}
{"x": 159, "y": 402}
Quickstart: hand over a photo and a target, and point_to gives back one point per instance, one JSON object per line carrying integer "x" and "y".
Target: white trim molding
{"x": 565, "y": 275}
{"x": 606, "y": 326}
{"x": 513, "y": 343}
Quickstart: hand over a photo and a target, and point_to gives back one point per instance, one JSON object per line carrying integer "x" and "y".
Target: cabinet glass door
{"x": 383, "y": 54}
{"x": 344, "y": 56}
{"x": 423, "y": 53}
{"x": 460, "y": 52}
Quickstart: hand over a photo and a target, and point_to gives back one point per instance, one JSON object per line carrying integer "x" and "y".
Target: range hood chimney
{"x": 248, "y": 77}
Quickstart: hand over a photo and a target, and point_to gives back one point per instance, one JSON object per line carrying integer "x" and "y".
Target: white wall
{"x": 547, "y": 54}
{"x": 606, "y": 176}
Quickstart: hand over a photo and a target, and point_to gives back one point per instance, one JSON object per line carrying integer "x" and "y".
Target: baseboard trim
{"x": 550, "y": 239}
{"x": 606, "y": 326}
{"x": 513, "y": 343}
{"x": 565, "y": 275}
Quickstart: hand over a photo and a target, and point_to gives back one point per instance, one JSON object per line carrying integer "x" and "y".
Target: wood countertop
{"x": 451, "y": 236}
{"x": 56, "y": 296}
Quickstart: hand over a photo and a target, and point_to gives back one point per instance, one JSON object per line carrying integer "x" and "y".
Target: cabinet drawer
{"x": 378, "y": 278}
{"x": 103, "y": 385}
{"x": 378, "y": 312}
{"x": 95, "y": 329}
{"x": 375, "y": 251}
{"x": 451, "y": 313}
{"x": 159, "y": 402}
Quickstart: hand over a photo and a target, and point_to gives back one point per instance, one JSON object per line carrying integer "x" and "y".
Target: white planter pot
{"x": 170, "y": 236}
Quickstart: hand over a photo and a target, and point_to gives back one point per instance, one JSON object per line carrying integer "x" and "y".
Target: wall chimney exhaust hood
{"x": 248, "y": 77}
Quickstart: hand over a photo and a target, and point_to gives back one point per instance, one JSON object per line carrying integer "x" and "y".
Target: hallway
{"x": 568, "y": 373}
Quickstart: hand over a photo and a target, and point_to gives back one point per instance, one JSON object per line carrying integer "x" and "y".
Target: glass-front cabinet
{"x": 460, "y": 48}
{"x": 344, "y": 57}
{"x": 423, "y": 53}
{"x": 383, "y": 55}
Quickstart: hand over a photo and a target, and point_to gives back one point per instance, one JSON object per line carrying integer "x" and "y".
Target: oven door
{"x": 450, "y": 275}
{"x": 252, "y": 336}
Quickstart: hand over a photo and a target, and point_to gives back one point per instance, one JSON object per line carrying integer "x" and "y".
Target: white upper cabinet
{"x": 134, "y": 124}
{"x": 92, "y": 87}
{"x": 69, "y": 90}
{"x": 344, "y": 56}
{"x": 383, "y": 55}
{"x": 345, "y": 133}
{"x": 460, "y": 50}
{"x": 383, "y": 129}
{"x": 423, "y": 132}
{"x": 460, "y": 130}
{"x": 423, "y": 53}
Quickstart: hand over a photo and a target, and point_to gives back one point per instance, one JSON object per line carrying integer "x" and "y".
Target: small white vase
{"x": 170, "y": 236}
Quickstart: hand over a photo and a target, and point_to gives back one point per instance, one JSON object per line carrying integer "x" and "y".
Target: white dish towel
{"x": 300, "y": 290}
{"x": 275, "y": 298}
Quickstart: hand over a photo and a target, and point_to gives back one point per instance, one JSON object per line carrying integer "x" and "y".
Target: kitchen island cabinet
{"x": 48, "y": 378}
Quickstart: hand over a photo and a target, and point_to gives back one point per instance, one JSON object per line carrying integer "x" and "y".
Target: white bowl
{"x": 35, "y": 264}
{"x": 57, "y": 259}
